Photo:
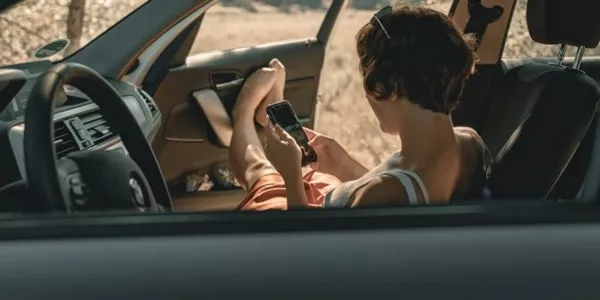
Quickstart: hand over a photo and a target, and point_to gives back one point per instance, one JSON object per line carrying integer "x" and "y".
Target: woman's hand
{"x": 283, "y": 152}
{"x": 285, "y": 155}
{"x": 332, "y": 158}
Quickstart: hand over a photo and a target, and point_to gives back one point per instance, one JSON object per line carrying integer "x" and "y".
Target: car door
{"x": 205, "y": 87}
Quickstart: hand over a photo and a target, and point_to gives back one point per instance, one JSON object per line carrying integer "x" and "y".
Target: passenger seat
{"x": 541, "y": 112}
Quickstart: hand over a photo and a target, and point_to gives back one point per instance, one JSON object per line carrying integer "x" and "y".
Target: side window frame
{"x": 493, "y": 41}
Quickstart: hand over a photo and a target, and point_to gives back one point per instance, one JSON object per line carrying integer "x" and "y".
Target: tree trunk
{"x": 75, "y": 25}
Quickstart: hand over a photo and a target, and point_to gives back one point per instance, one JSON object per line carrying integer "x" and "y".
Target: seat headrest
{"x": 573, "y": 22}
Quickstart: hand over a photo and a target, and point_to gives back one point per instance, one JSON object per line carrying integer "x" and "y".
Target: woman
{"x": 414, "y": 62}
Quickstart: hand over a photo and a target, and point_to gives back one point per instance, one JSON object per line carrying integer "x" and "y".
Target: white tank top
{"x": 345, "y": 191}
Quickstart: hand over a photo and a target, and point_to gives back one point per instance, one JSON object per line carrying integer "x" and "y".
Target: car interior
{"x": 95, "y": 150}
{"x": 539, "y": 141}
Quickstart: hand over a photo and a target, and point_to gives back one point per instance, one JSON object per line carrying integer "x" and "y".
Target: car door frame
{"x": 180, "y": 60}
{"x": 473, "y": 108}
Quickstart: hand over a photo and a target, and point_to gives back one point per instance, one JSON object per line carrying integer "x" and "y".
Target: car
{"x": 94, "y": 144}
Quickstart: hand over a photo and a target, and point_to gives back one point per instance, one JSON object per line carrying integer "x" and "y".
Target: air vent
{"x": 64, "y": 142}
{"x": 96, "y": 128}
{"x": 149, "y": 102}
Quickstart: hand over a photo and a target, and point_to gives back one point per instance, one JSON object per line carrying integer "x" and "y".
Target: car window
{"x": 248, "y": 23}
{"x": 251, "y": 23}
{"x": 33, "y": 24}
{"x": 520, "y": 45}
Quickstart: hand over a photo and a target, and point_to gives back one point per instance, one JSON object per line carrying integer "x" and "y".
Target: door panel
{"x": 210, "y": 82}
{"x": 183, "y": 144}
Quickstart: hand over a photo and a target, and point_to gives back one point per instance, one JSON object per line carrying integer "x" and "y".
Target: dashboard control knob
{"x": 78, "y": 191}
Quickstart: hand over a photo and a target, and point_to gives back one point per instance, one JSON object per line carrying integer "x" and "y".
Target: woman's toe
{"x": 279, "y": 72}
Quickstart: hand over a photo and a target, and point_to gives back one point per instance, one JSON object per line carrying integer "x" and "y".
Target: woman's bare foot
{"x": 255, "y": 89}
{"x": 276, "y": 93}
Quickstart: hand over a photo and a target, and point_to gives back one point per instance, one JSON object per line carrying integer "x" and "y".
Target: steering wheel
{"x": 88, "y": 180}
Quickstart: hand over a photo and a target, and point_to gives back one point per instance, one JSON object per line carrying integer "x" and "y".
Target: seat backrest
{"x": 476, "y": 166}
{"x": 541, "y": 111}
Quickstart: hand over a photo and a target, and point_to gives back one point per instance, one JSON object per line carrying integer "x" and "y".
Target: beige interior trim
{"x": 150, "y": 53}
{"x": 215, "y": 113}
{"x": 492, "y": 42}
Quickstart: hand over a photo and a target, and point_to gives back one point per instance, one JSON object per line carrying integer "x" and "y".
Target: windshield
{"x": 36, "y": 23}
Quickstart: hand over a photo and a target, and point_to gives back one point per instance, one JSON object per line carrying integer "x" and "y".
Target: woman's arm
{"x": 350, "y": 170}
{"x": 333, "y": 159}
{"x": 296, "y": 195}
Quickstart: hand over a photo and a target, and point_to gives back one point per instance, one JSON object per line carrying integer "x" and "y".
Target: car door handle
{"x": 236, "y": 83}
{"x": 216, "y": 114}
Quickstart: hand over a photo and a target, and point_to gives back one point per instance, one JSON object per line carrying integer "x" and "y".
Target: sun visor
{"x": 571, "y": 22}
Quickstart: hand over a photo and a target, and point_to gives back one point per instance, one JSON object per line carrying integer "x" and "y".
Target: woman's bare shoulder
{"x": 464, "y": 130}
{"x": 469, "y": 139}
{"x": 382, "y": 191}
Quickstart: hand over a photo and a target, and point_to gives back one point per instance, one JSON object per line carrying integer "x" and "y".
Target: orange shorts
{"x": 268, "y": 193}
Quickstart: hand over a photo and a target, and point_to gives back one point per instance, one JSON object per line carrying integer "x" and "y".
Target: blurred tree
{"x": 75, "y": 24}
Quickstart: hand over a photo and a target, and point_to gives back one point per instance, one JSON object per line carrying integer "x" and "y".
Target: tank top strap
{"x": 420, "y": 182}
{"x": 406, "y": 178}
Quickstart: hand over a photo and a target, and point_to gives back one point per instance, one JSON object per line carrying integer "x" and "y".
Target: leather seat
{"x": 542, "y": 111}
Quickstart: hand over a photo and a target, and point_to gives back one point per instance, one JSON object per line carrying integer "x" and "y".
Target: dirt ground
{"x": 342, "y": 110}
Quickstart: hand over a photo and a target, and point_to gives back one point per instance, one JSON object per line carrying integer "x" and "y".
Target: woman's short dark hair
{"x": 426, "y": 58}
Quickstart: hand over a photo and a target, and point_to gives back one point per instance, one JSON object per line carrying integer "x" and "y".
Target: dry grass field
{"x": 342, "y": 110}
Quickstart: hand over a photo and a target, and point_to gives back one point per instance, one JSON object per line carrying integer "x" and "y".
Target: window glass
{"x": 35, "y": 23}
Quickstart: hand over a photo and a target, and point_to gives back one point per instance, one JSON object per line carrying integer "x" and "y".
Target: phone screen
{"x": 283, "y": 114}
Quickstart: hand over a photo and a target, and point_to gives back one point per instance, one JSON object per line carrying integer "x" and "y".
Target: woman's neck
{"x": 424, "y": 135}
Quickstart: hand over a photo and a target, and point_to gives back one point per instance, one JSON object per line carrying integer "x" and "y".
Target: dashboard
{"x": 78, "y": 122}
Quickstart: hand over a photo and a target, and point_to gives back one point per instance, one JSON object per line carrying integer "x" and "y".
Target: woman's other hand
{"x": 332, "y": 158}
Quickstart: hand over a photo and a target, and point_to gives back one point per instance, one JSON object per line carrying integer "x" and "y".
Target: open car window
{"x": 256, "y": 22}
{"x": 33, "y": 24}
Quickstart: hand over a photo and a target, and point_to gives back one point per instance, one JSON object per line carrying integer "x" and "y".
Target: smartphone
{"x": 283, "y": 114}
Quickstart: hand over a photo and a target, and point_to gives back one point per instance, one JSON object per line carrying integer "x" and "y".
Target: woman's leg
{"x": 247, "y": 158}
{"x": 274, "y": 95}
